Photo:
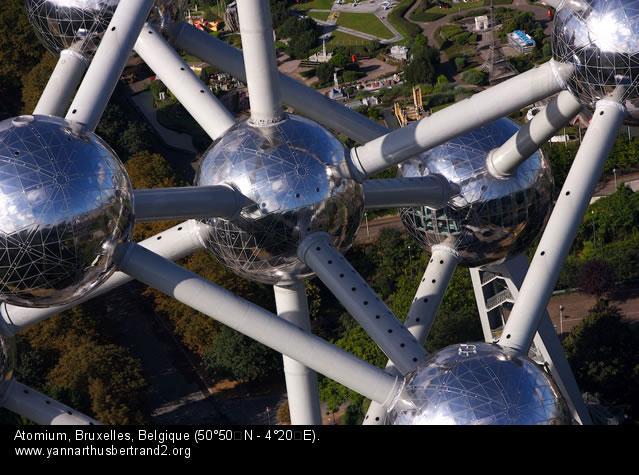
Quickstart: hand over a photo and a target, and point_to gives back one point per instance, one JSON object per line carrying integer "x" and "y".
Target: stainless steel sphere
{"x": 66, "y": 202}
{"x": 601, "y": 39}
{"x": 491, "y": 217}
{"x": 293, "y": 173}
{"x": 7, "y": 361}
{"x": 79, "y": 24}
{"x": 478, "y": 384}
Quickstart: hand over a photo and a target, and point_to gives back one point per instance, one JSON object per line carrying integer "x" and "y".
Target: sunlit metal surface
{"x": 491, "y": 217}
{"x": 7, "y": 361}
{"x": 79, "y": 24}
{"x": 602, "y": 40}
{"x": 478, "y": 384}
{"x": 294, "y": 174}
{"x": 65, "y": 203}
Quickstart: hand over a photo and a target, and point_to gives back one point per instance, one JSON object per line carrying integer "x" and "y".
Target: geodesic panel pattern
{"x": 601, "y": 39}
{"x": 79, "y": 24}
{"x": 65, "y": 203}
{"x": 476, "y": 384}
{"x": 491, "y": 217}
{"x": 71, "y": 24}
{"x": 293, "y": 172}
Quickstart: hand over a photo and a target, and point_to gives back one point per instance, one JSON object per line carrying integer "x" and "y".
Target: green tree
{"x": 324, "y": 72}
{"x": 597, "y": 277}
{"x": 35, "y": 81}
{"x": 104, "y": 378}
{"x": 150, "y": 170}
{"x": 475, "y": 76}
{"x": 20, "y": 51}
{"x": 238, "y": 356}
{"x": 603, "y": 351}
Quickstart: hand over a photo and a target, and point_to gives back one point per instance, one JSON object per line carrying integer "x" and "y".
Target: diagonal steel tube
{"x": 422, "y": 312}
{"x": 361, "y": 301}
{"x": 502, "y": 162}
{"x": 62, "y": 84}
{"x": 108, "y": 63}
{"x": 490, "y": 104}
{"x": 256, "y": 323}
{"x": 41, "y": 409}
{"x": 192, "y": 93}
{"x": 562, "y": 226}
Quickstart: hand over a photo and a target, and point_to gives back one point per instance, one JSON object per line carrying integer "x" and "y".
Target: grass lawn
{"x": 323, "y": 16}
{"x": 364, "y": 22}
{"x": 318, "y": 4}
{"x": 456, "y": 7}
{"x": 340, "y": 38}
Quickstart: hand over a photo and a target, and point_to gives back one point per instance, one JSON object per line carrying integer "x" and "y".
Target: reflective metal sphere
{"x": 293, "y": 172}
{"x": 478, "y": 384}
{"x": 601, "y": 39}
{"x": 79, "y": 24}
{"x": 491, "y": 217}
{"x": 7, "y": 361}
{"x": 65, "y": 203}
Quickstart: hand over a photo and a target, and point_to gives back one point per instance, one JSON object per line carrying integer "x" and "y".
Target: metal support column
{"x": 301, "y": 382}
{"x": 258, "y": 48}
{"x": 305, "y": 100}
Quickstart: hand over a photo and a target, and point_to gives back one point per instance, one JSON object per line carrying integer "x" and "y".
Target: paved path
{"x": 430, "y": 28}
{"x": 374, "y": 9}
{"x": 144, "y": 103}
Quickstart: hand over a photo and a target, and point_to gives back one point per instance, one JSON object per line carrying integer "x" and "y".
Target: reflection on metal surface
{"x": 491, "y": 217}
{"x": 293, "y": 174}
{"x": 7, "y": 361}
{"x": 79, "y": 24}
{"x": 65, "y": 203}
{"x": 478, "y": 384}
{"x": 602, "y": 41}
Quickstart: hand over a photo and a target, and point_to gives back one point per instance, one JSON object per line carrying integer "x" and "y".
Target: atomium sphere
{"x": 65, "y": 203}
{"x": 78, "y": 25}
{"x": 294, "y": 175}
{"x": 491, "y": 217}
{"x": 7, "y": 361}
{"x": 601, "y": 39}
{"x": 478, "y": 384}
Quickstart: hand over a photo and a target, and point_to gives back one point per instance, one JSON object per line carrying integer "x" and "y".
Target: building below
{"x": 321, "y": 56}
{"x": 399, "y": 53}
{"x": 481, "y": 23}
{"x": 521, "y": 41}
{"x": 231, "y": 20}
